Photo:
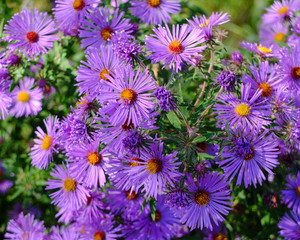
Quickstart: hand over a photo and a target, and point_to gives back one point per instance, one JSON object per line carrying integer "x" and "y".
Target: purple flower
{"x": 133, "y": 141}
{"x": 177, "y": 198}
{"x": 242, "y": 111}
{"x": 11, "y": 59}
{"x": 25, "y": 227}
{"x": 264, "y": 51}
{"x": 249, "y": 152}
{"x": 207, "y": 201}
{"x": 5, "y": 184}
{"x": 289, "y": 226}
{"x": 164, "y": 99}
{"x": 131, "y": 90}
{"x": 154, "y": 11}
{"x": 97, "y": 28}
{"x": 31, "y": 31}
{"x": 227, "y": 79}
{"x": 26, "y": 101}
{"x": 237, "y": 58}
{"x": 5, "y": 97}
{"x": 291, "y": 193}
{"x": 42, "y": 151}
{"x": 174, "y": 48}
{"x": 271, "y": 34}
{"x": 64, "y": 233}
{"x": 70, "y": 14}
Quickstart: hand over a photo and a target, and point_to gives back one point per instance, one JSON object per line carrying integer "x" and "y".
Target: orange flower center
{"x": 94, "y": 158}
{"x": 106, "y": 33}
{"x": 283, "y": 10}
{"x": 78, "y": 4}
{"x": 298, "y": 191}
{"x": 132, "y": 195}
{"x": 32, "y": 36}
{"x": 264, "y": 50}
{"x": 175, "y": 47}
{"x": 154, "y": 165}
{"x": 69, "y": 184}
{"x": 154, "y": 3}
{"x": 128, "y": 95}
{"x": 295, "y": 72}
{"x": 249, "y": 156}
{"x": 266, "y": 89}
{"x": 135, "y": 164}
{"x": 157, "y": 216}
{"x": 23, "y": 96}
{"x": 221, "y": 236}
{"x": 201, "y": 197}
{"x": 279, "y": 36}
{"x": 103, "y": 73}
{"x": 99, "y": 235}
{"x": 46, "y": 142}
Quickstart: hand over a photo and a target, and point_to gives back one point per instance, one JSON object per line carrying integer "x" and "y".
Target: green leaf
{"x": 199, "y": 139}
{"x": 174, "y": 119}
{"x": 146, "y": 201}
{"x": 153, "y": 208}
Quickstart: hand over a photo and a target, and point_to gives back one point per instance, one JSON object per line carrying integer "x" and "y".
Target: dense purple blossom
{"x": 227, "y": 79}
{"x": 164, "y": 99}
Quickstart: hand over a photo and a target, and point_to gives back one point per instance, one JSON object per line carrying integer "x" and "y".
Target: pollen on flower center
{"x": 132, "y": 195}
{"x": 283, "y": 10}
{"x": 69, "y": 184}
{"x": 103, "y": 73}
{"x": 94, "y": 158}
{"x": 154, "y": 165}
{"x": 201, "y": 197}
{"x": 264, "y": 50}
{"x": 201, "y": 25}
{"x": 242, "y": 110}
{"x": 266, "y": 89}
{"x": 295, "y": 72}
{"x": 46, "y": 142}
{"x": 221, "y": 236}
{"x": 154, "y": 3}
{"x": 78, "y": 4}
{"x": 32, "y": 36}
{"x": 298, "y": 191}
{"x": 99, "y": 235}
{"x": 249, "y": 155}
{"x": 279, "y": 36}
{"x": 175, "y": 47}
{"x": 23, "y": 96}
{"x": 128, "y": 95}
{"x": 106, "y": 33}
{"x": 134, "y": 164}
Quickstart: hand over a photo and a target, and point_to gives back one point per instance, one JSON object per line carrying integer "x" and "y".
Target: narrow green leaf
{"x": 174, "y": 119}
{"x": 153, "y": 208}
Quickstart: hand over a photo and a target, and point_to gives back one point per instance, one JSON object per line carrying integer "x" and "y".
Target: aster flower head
{"x": 176, "y": 47}
{"x": 100, "y": 22}
{"x": 237, "y": 58}
{"x": 5, "y": 184}
{"x": 64, "y": 233}
{"x": 249, "y": 152}
{"x": 271, "y": 34}
{"x": 42, "y": 151}
{"x": 207, "y": 201}
{"x": 5, "y": 97}
{"x": 291, "y": 193}
{"x": 242, "y": 111}
{"x": 26, "y": 99}
{"x": 70, "y": 13}
{"x": 289, "y": 226}
{"x": 164, "y": 99}
{"x": 10, "y": 59}
{"x": 70, "y": 192}
{"x": 154, "y": 11}
{"x": 31, "y": 33}
{"x": 25, "y": 227}
{"x": 132, "y": 91}
{"x": 264, "y": 51}
{"x": 227, "y": 79}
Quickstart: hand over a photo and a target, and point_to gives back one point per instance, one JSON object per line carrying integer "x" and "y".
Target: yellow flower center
{"x": 78, "y": 4}
{"x": 175, "y": 47}
{"x": 25, "y": 236}
{"x": 279, "y": 36}
{"x": 264, "y": 50}
{"x": 283, "y": 10}
{"x": 23, "y": 97}
{"x": 298, "y": 191}
{"x": 69, "y": 184}
{"x": 99, "y": 235}
{"x": 154, "y": 165}
{"x": 82, "y": 100}
{"x": 295, "y": 72}
{"x": 154, "y": 3}
{"x": 242, "y": 110}
{"x": 128, "y": 95}
{"x": 249, "y": 156}
{"x": 201, "y": 197}
{"x": 132, "y": 195}
{"x": 46, "y": 142}
{"x": 103, "y": 73}
{"x": 221, "y": 236}
{"x": 94, "y": 158}
{"x": 106, "y": 33}
{"x": 266, "y": 89}
{"x": 201, "y": 25}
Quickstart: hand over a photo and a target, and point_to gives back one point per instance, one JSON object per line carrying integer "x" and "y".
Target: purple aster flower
{"x": 289, "y": 63}
{"x": 70, "y": 13}
{"x": 100, "y": 22}
{"x": 164, "y": 99}
{"x": 289, "y": 226}
{"x": 26, "y": 99}
{"x": 154, "y": 11}
{"x": 207, "y": 201}
{"x": 64, "y": 233}
{"x": 93, "y": 73}
{"x": 271, "y": 34}
{"x": 217, "y": 233}
{"x": 291, "y": 193}
{"x": 70, "y": 192}
{"x": 176, "y": 198}
{"x": 174, "y": 48}
{"x": 5, "y": 97}
{"x": 264, "y": 51}
{"x": 237, "y": 58}
{"x": 281, "y": 11}
{"x": 249, "y": 152}
{"x": 227, "y": 79}
{"x": 5, "y": 184}
{"x": 25, "y": 227}
{"x": 42, "y": 151}
{"x": 242, "y": 111}
{"x": 11, "y": 59}
{"x": 32, "y": 32}
{"x": 131, "y": 90}
{"x": 124, "y": 47}
{"x": 4, "y": 73}
{"x": 133, "y": 141}
{"x": 87, "y": 163}
{"x": 265, "y": 77}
